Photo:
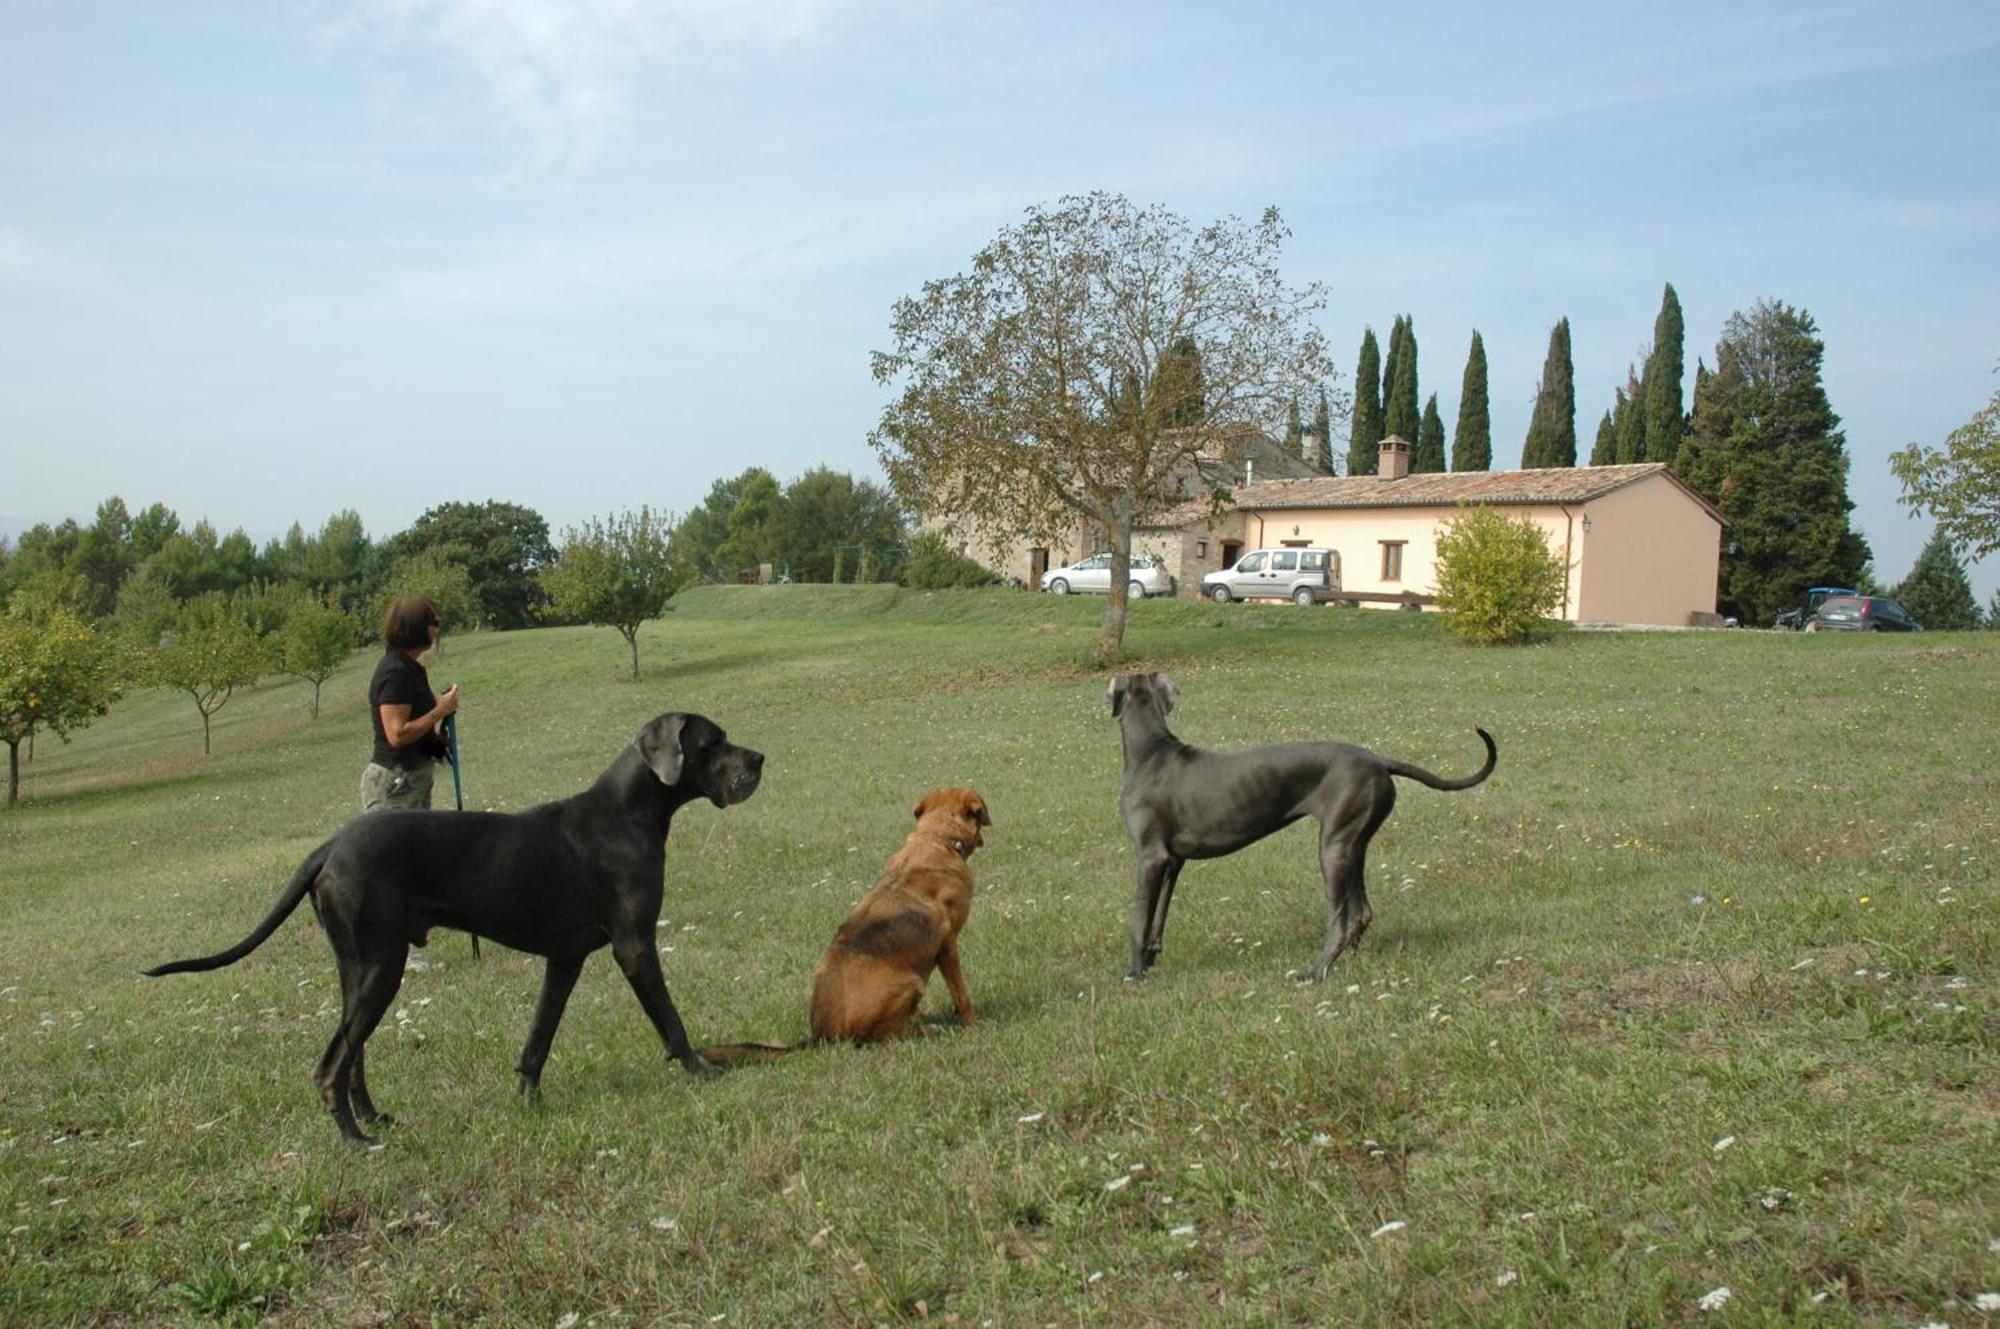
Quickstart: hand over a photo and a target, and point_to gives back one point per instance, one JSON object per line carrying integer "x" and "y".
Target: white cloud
{"x": 564, "y": 68}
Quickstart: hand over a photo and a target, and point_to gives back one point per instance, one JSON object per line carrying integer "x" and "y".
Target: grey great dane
{"x": 559, "y": 880}
{"x": 1181, "y": 802}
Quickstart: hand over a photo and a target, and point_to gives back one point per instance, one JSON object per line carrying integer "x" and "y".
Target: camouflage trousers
{"x": 383, "y": 787}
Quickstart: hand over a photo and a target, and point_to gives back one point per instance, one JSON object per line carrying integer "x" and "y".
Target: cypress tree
{"x": 1936, "y": 592}
{"x": 1399, "y": 388}
{"x": 1630, "y": 422}
{"x": 1664, "y": 368}
{"x": 1428, "y": 454}
{"x": 1472, "y": 447}
{"x": 1323, "y": 430}
{"x": 1552, "y": 428}
{"x": 1604, "y": 452}
{"x": 1765, "y": 447}
{"x": 1364, "y": 440}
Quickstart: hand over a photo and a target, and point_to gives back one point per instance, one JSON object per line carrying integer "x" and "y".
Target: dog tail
{"x": 1418, "y": 773}
{"x": 301, "y": 885}
{"x": 739, "y": 1054}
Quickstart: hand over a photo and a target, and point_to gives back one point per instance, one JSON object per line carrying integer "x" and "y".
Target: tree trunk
{"x": 1110, "y": 646}
{"x": 13, "y": 772}
{"x": 204, "y": 734}
{"x": 632, "y": 640}
{"x": 315, "y": 713}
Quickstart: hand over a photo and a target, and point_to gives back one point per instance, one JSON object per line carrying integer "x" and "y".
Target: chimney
{"x": 1395, "y": 459}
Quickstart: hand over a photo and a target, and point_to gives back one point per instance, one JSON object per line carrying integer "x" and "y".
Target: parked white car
{"x": 1093, "y": 576}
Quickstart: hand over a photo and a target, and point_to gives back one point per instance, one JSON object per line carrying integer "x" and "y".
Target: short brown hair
{"x": 408, "y": 622}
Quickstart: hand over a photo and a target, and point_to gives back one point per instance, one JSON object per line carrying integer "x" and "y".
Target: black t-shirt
{"x": 401, "y": 681}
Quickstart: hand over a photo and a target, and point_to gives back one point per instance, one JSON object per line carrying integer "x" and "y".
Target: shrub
{"x": 1497, "y": 579}
{"x": 934, "y": 565}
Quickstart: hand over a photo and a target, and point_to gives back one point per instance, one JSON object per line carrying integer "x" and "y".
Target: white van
{"x": 1303, "y": 576}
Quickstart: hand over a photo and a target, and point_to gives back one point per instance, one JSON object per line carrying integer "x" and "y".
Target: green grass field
{"x": 1696, "y": 993}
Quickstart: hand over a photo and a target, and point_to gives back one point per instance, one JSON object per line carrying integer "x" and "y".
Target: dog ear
{"x": 976, "y": 809}
{"x": 1169, "y": 694}
{"x": 923, "y": 805}
{"x": 1117, "y": 693}
{"x": 660, "y": 747}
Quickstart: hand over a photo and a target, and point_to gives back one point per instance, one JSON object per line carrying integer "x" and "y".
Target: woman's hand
{"x": 448, "y": 703}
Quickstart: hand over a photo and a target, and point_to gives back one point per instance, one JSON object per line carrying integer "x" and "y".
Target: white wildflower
{"x": 1714, "y": 1300}
{"x": 1185, "y": 1230}
{"x": 1723, "y": 1143}
{"x": 1118, "y": 1183}
{"x": 1987, "y": 1301}
{"x": 1031, "y": 1118}
{"x": 1506, "y": 1277}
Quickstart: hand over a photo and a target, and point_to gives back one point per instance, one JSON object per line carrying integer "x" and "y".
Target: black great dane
{"x": 1181, "y": 802}
{"x": 559, "y": 880}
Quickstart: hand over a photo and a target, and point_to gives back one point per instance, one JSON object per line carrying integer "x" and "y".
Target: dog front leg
{"x": 954, "y": 979}
{"x": 641, "y": 966}
{"x": 1156, "y": 932}
{"x": 558, "y": 979}
{"x": 1152, "y": 877}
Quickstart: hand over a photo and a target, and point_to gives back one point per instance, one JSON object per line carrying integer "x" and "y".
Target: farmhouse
{"x": 1224, "y": 459}
{"x": 1641, "y": 546}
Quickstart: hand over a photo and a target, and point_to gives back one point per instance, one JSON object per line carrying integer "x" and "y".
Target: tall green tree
{"x": 1472, "y": 445}
{"x": 1323, "y": 432}
{"x": 1006, "y": 415}
{"x": 1665, "y": 367}
{"x": 213, "y": 651}
{"x": 337, "y": 560}
{"x": 1629, "y": 420}
{"x": 1604, "y": 451}
{"x": 501, "y": 546}
{"x": 702, "y": 534}
{"x": 1428, "y": 454}
{"x": 1185, "y": 400}
{"x": 1400, "y": 413}
{"x": 437, "y": 576}
{"x": 1364, "y": 440}
{"x": 1765, "y": 447}
{"x": 55, "y": 674}
{"x": 1937, "y": 592}
{"x": 1552, "y": 427}
{"x": 1959, "y": 484}
{"x": 617, "y": 572}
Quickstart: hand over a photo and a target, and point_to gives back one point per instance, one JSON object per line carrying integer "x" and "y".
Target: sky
{"x": 264, "y": 263}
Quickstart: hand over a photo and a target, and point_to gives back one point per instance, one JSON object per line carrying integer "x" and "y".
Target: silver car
{"x": 1148, "y": 577}
{"x": 1303, "y": 576}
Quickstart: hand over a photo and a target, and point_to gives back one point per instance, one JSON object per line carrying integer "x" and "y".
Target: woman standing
{"x": 406, "y": 713}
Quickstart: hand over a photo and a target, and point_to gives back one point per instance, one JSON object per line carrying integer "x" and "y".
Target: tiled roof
{"x": 1557, "y": 484}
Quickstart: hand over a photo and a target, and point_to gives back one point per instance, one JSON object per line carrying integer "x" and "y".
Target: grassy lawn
{"x": 1696, "y": 993}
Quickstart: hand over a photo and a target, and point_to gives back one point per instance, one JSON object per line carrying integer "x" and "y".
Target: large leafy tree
{"x": 1958, "y": 484}
{"x": 1936, "y": 592}
{"x": 55, "y": 674}
{"x": 337, "y": 560}
{"x": 501, "y": 546}
{"x": 1765, "y": 447}
{"x": 1428, "y": 455}
{"x": 314, "y": 640}
{"x": 1028, "y": 398}
{"x": 1472, "y": 445}
{"x": 1186, "y": 400}
{"x": 1663, "y": 419}
{"x": 1364, "y": 440}
{"x": 618, "y": 572}
{"x": 824, "y": 511}
{"x": 1400, "y": 413}
{"x": 729, "y": 520}
{"x": 1552, "y": 427}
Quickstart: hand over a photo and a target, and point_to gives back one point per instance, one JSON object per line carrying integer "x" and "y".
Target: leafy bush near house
{"x": 935, "y": 566}
{"x": 1498, "y": 582}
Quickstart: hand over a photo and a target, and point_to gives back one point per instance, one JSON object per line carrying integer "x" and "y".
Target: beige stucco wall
{"x": 1651, "y": 555}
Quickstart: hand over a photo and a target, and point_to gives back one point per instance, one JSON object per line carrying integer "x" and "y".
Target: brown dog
{"x": 873, "y": 975}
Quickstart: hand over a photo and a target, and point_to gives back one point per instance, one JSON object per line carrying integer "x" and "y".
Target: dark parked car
{"x": 1796, "y": 618}
{"x": 1861, "y": 613}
